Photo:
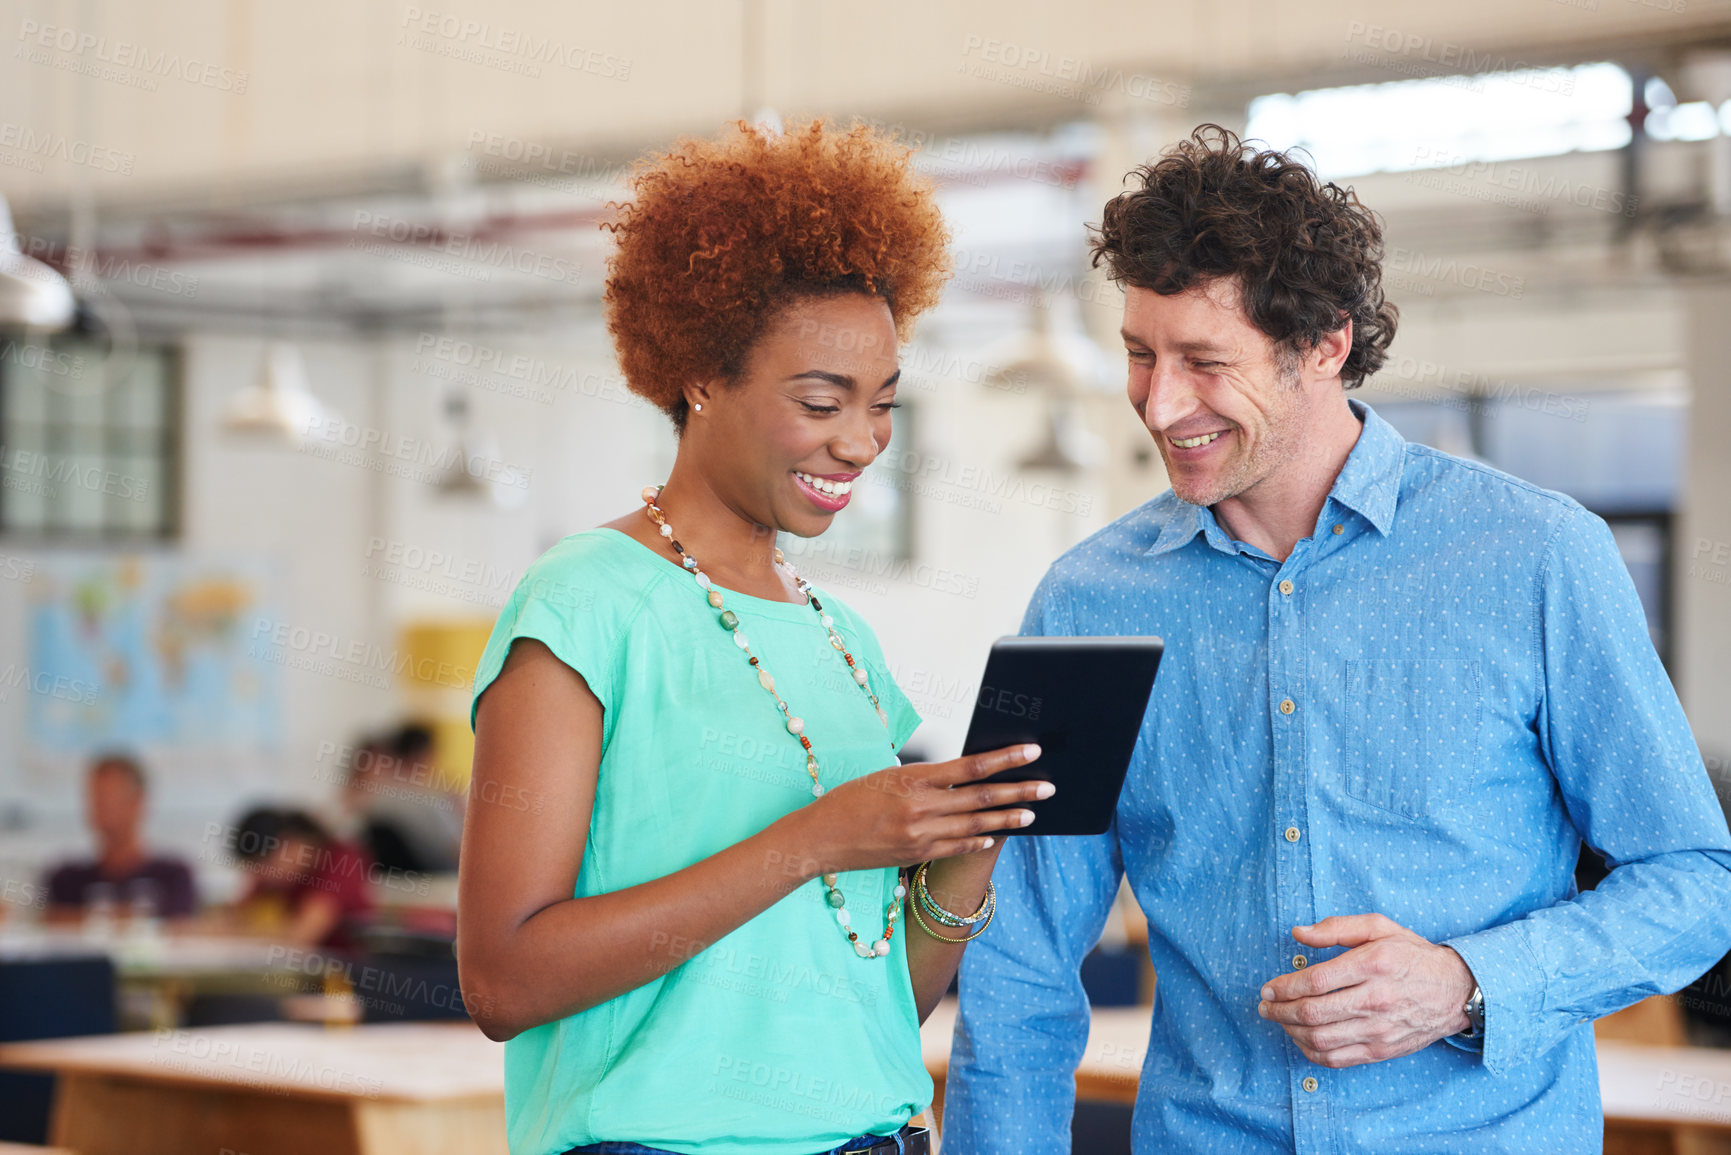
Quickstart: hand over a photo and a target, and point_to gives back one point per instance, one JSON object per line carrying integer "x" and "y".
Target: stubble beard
{"x": 1275, "y": 450}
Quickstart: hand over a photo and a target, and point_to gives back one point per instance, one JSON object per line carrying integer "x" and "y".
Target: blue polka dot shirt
{"x": 1421, "y": 713}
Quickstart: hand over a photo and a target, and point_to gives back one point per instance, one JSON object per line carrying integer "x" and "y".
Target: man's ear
{"x": 1329, "y": 356}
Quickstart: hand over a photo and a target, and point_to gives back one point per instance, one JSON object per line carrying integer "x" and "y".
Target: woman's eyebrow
{"x": 842, "y": 379}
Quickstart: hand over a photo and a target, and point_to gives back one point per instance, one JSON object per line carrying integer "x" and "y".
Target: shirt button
{"x": 1340, "y": 529}
{"x": 1310, "y": 1083}
{"x": 1292, "y": 834}
{"x": 1299, "y": 962}
{"x": 1287, "y": 706}
{"x": 1286, "y": 588}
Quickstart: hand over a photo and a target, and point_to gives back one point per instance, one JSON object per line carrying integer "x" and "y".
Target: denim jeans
{"x": 858, "y": 1143}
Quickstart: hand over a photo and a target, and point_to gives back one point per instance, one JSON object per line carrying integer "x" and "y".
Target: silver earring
{"x": 698, "y": 407}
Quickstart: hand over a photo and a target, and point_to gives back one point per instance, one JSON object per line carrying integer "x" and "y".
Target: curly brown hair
{"x": 722, "y": 234}
{"x": 1307, "y": 255}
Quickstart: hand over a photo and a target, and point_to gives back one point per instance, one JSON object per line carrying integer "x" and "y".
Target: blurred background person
{"x": 124, "y": 876}
{"x": 305, "y": 886}
{"x": 409, "y": 820}
{"x": 396, "y": 804}
{"x": 345, "y": 813}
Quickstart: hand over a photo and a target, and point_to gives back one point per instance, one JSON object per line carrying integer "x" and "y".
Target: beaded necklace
{"x": 795, "y": 724}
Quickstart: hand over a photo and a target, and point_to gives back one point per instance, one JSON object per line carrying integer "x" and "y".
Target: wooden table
{"x": 1665, "y": 1100}
{"x": 1658, "y": 1100}
{"x": 438, "y": 1089}
{"x": 276, "y": 1089}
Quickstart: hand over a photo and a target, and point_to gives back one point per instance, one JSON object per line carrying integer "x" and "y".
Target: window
{"x": 1619, "y": 454}
{"x": 88, "y": 440}
{"x": 1441, "y": 121}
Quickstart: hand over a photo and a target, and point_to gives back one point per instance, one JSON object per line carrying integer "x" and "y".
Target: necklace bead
{"x": 795, "y": 725}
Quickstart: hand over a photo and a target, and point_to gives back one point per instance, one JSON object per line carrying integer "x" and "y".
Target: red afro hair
{"x": 721, "y": 234}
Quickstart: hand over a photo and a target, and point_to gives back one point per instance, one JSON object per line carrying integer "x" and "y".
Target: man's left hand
{"x": 1392, "y": 994}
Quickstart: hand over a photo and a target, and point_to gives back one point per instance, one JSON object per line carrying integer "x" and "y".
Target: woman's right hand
{"x": 916, "y": 813}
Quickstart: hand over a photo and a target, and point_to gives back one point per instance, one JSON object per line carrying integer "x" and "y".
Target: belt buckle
{"x": 909, "y": 1141}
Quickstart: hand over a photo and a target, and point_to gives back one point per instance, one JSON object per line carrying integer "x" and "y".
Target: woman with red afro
{"x": 691, "y": 855}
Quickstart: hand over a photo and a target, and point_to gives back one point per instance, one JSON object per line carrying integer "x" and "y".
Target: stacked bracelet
{"x": 924, "y": 904}
{"x": 949, "y": 918}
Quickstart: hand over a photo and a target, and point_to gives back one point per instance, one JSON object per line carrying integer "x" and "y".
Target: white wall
{"x": 1703, "y": 559}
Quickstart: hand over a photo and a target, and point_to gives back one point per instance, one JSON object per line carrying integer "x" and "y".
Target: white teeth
{"x": 831, "y": 488}
{"x": 1193, "y": 442}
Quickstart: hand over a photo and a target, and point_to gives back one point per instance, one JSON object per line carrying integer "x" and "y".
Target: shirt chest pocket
{"x": 1412, "y": 741}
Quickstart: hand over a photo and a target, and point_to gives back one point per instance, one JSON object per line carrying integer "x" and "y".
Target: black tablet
{"x": 1082, "y": 700}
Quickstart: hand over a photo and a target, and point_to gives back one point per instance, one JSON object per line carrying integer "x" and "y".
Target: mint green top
{"x": 776, "y": 1039}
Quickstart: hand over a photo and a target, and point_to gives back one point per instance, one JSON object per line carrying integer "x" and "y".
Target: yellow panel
{"x": 454, "y": 749}
{"x": 444, "y": 653}
{"x": 436, "y": 682}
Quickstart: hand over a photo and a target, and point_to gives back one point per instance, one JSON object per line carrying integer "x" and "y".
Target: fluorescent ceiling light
{"x": 32, "y": 295}
{"x": 278, "y": 404}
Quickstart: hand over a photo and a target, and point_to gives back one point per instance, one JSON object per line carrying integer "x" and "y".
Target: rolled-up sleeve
{"x": 1632, "y": 780}
{"x": 1024, "y": 1015}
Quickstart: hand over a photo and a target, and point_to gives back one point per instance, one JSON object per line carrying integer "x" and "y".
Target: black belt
{"x": 914, "y": 1141}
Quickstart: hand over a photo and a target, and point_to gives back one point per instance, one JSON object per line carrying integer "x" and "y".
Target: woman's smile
{"x": 828, "y": 492}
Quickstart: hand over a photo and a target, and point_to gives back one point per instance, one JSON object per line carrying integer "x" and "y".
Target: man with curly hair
{"x": 1400, "y": 689}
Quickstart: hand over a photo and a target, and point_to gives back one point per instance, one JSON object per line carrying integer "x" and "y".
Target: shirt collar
{"x": 1368, "y": 484}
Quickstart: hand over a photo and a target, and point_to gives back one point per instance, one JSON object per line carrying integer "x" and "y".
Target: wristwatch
{"x": 1475, "y": 1012}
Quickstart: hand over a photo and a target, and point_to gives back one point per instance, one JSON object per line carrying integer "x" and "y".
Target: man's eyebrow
{"x": 1182, "y": 346}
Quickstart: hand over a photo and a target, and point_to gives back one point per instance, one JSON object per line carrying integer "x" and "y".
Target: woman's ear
{"x": 698, "y": 395}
